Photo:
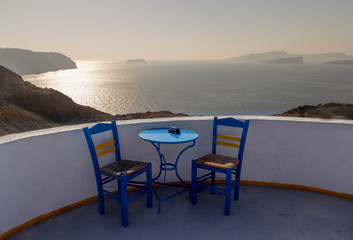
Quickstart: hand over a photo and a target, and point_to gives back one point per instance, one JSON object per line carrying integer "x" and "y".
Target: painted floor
{"x": 260, "y": 213}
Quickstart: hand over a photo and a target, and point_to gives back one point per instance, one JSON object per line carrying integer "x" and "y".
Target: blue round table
{"x": 160, "y": 136}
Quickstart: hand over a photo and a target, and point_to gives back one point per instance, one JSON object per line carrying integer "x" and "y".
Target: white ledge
{"x": 300, "y": 151}
{"x": 22, "y": 135}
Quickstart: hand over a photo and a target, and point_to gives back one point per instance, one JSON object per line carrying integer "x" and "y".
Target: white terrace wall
{"x": 44, "y": 170}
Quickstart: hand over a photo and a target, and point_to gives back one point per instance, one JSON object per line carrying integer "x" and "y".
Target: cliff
{"x": 328, "y": 111}
{"x": 291, "y": 60}
{"x": 25, "y": 62}
{"x": 25, "y": 107}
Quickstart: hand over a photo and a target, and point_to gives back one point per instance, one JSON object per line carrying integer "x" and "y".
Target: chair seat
{"x": 126, "y": 167}
{"x": 218, "y": 161}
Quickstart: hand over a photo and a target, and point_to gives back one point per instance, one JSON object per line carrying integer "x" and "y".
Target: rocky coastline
{"x": 326, "y": 111}
{"x": 25, "y": 107}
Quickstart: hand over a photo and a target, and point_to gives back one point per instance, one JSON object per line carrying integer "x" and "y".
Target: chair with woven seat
{"x": 124, "y": 171}
{"x": 217, "y": 163}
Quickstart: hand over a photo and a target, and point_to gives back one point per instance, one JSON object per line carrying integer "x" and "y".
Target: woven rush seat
{"x": 218, "y": 161}
{"x": 126, "y": 167}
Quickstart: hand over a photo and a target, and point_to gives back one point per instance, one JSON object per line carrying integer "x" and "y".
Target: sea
{"x": 200, "y": 87}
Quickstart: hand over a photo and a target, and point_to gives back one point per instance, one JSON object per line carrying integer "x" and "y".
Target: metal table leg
{"x": 164, "y": 166}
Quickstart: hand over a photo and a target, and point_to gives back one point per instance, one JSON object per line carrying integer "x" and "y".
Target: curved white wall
{"x": 44, "y": 170}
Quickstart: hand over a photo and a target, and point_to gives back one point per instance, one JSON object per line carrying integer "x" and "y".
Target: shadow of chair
{"x": 216, "y": 163}
{"x": 103, "y": 140}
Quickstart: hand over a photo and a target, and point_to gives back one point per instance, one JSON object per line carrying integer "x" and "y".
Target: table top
{"x": 161, "y": 135}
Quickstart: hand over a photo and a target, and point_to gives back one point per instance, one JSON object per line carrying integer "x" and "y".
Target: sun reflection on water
{"x": 92, "y": 84}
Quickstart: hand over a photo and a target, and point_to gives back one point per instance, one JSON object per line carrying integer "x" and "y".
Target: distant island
{"x": 342, "y": 62}
{"x": 291, "y": 60}
{"x": 24, "y": 62}
{"x": 273, "y": 55}
{"x": 139, "y": 60}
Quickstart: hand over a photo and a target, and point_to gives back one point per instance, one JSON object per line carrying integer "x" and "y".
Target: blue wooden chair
{"x": 121, "y": 170}
{"x": 217, "y": 163}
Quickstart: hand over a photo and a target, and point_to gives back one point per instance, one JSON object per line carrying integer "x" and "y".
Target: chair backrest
{"x": 230, "y": 141}
{"x": 98, "y": 150}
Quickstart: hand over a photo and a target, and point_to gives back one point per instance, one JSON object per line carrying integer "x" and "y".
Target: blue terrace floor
{"x": 261, "y": 213}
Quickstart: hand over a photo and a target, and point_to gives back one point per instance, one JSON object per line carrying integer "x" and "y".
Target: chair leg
{"x": 101, "y": 203}
{"x": 123, "y": 200}
{"x": 228, "y": 190}
{"x": 100, "y": 195}
{"x": 193, "y": 182}
{"x": 237, "y": 186}
{"x": 149, "y": 185}
{"x": 236, "y": 191}
{"x": 213, "y": 181}
{"x": 119, "y": 187}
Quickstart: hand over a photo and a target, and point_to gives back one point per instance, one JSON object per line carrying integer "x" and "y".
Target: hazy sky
{"x": 176, "y": 29}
